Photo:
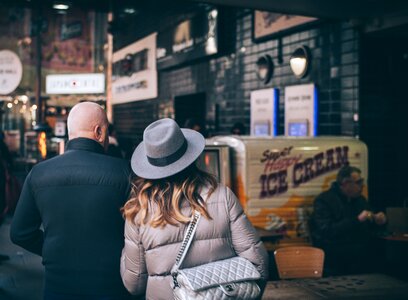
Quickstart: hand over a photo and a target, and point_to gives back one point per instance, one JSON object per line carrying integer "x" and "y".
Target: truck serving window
{"x": 209, "y": 161}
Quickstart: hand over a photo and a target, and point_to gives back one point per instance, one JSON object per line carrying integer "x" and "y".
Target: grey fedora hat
{"x": 166, "y": 150}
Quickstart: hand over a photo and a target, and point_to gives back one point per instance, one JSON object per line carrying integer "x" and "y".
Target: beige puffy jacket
{"x": 150, "y": 253}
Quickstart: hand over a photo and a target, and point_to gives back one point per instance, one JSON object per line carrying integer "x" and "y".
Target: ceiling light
{"x": 60, "y": 6}
{"x": 129, "y": 10}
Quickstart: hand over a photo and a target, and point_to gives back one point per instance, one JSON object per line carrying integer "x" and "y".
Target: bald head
{"x": 88, "y": 120}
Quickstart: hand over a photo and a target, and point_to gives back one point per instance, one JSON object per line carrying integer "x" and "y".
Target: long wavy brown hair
{"x": 168, "y": 194}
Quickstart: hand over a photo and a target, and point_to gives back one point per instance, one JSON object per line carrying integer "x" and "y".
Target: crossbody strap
{"x": 185, "y": 245}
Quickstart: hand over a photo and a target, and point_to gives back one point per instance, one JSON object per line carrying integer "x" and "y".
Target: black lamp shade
{"x": 264, "y": 68}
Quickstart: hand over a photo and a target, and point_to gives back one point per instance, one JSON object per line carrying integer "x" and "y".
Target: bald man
{"x": 69, "y": 213}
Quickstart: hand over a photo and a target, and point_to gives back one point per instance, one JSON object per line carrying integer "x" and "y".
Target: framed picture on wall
{"x": 267, "y": 25}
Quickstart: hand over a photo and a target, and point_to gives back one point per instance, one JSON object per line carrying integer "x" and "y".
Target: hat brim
{"x": 143, "y": 168}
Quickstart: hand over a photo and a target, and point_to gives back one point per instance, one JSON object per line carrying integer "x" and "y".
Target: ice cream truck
{"x": 277, "y": 178}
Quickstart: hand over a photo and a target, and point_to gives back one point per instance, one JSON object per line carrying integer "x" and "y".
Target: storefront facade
{"x": 341, "y": 69}
{"x": 46, "y": 43}
{"x": 206, "y": 63}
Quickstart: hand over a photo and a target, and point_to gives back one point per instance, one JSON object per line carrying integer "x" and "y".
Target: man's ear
{"x": 98, "y": 133}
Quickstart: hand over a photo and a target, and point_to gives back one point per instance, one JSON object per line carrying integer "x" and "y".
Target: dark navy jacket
{"x": 76, "y": 197}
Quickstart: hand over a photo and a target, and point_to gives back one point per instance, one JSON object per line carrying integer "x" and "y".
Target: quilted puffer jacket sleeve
{"x": 133, "y": 264}
{"x": 245, "y": 239}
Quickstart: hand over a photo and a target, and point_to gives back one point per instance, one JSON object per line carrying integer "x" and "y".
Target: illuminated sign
{"x": 264, "y": 107}
{"x": 93, "y": 83}
{"x": 301, "y": 110}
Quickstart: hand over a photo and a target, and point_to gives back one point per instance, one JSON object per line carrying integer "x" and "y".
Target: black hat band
{"x": 167, "y": 160}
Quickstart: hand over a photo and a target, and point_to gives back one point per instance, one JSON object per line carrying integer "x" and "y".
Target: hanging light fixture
{"x": 300, "y": 61}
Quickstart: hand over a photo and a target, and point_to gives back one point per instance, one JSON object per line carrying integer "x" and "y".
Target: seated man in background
{"x": 343, "y": 226}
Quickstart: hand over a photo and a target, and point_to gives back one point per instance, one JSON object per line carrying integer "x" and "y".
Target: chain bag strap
{"x": 232, "y": 278}
{"x": 185, "y": 245}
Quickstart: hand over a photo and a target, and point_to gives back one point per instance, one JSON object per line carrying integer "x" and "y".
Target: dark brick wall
{"x": 229, "y": 79}
{"x": 130, "y": 120}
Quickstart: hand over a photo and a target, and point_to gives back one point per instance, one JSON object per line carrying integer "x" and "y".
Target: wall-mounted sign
{"x": 268, "y": 24}
{"x": 134, "y": 71}
{"x": 93, "y": 83}
{"x": 11, "y": 71}
{"x": 301, "y": 110}
{"x": 60, "y": 128}
{"x": 189, "y": 40}
{"x": 71, "y": 30}
{"x": 264, "y": 105}
{"x": 72, "y": 48}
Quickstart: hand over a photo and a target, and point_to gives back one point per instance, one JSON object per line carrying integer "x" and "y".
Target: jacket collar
{"x": 84, "y": 144}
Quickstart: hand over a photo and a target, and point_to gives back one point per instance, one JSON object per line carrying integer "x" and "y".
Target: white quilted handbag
{"x": 233, "y": 278}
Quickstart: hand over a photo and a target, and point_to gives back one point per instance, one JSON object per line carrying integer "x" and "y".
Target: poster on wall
{"x": 268, "y": 24}
{"x": 301, "y": 110}
{"x": 60, "y": 128}
{"x": 264, "y": 105}
{"x": 134, "y": 75}
{"x": 191, "y": 39}
{"x": 69, "y": 43}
